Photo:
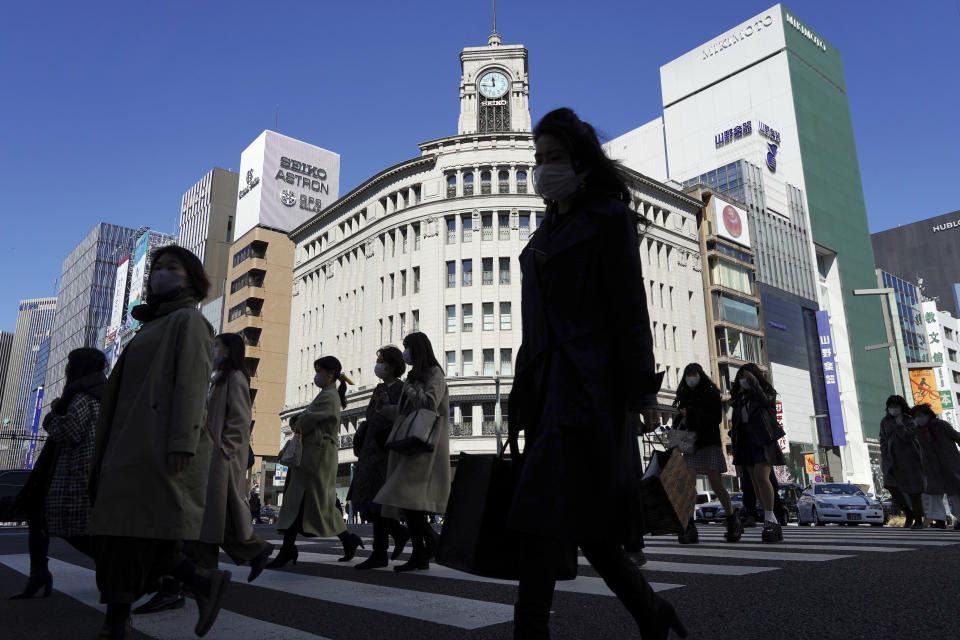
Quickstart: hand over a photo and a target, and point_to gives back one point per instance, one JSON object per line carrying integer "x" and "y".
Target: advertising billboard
{"x": 924, "y": 388}
{"x": 730, "y": 222}
{"x": 119, "y": 295}
{"x": 137, "y": 277}
{"x": 829, "y": 364}
{"x": 284, "y": 182}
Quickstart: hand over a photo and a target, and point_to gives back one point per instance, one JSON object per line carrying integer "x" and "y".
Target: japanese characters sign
{"x": 829, "y": 363}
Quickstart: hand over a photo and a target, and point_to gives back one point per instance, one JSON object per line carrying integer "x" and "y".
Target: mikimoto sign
{"x": 284, "y": 182}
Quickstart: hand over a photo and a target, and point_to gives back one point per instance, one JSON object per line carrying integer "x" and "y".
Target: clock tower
{"x": 494, "y": 88}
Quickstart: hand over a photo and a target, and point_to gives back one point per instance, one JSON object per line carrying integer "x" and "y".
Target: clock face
{"x": 493, "y": 84}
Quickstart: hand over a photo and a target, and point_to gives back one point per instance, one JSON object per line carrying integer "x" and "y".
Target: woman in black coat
{"x": 372, "y": 455}
{"x": 938, "y": 441}
{"x": 585, "y": 372}
{"x": 755, "y": 434}
{"x": 901, "y": 461}
{"x": 701, "y": 411}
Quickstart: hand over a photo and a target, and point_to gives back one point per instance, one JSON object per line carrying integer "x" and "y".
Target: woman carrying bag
{"x": 943, "y": 442}
{"x": 310, "y": 500}
{"x": 901, "y": 461}
{"x": 585, "y": 375}
{"x": 369, "y": 445}
{"x": 418, "y": 482}
{"x": 701, "y": 411}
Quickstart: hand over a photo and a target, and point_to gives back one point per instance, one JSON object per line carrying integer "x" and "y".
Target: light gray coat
{"x": 228, "y": 421}
{"x": 420, "y": 482}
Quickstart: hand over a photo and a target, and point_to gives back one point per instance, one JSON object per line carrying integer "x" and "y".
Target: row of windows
{"x": 252, "y": 278}
{"x": 486, "y": 273}
{"x": 466, "y": 316}
{"x": 249, "y": 307}
{"x": 394, "y": 328}
{"x": 486, "y": 183}
{"x": 390, "y": 241}
{"x": 486, "y": 226}
{"x": 488, "y": 365}
{"x": 388, "y": 284}
{"x": 256, "y": 249}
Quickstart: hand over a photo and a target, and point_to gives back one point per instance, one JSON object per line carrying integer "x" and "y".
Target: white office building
{"x": 431, "y": 244}
{"x": 205, "y": 227}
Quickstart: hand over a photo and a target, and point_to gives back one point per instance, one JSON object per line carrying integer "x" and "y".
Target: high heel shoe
{"x": 33, "y": 585}
{"x": 258, "y": 564}
{"x": 286, "y": 555}
{"x": 350, "y": 544}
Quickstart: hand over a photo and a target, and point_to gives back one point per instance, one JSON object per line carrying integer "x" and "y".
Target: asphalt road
{"x": 822, "y": 582}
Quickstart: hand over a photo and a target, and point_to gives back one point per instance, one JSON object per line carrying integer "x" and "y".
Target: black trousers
{"x": 911, "y": 504}
{"x": 383, "y": 528}
{"x": 619, "y": 572}
{"x": 422, "y": 535}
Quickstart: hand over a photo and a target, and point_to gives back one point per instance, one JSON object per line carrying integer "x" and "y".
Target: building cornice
{"x": 659, "y": 186}
{"x": 425, "y": 147}
{"x": 425, "y": 161}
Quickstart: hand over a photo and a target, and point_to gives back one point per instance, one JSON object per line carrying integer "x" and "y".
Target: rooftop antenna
{"x": 494, "y": 39}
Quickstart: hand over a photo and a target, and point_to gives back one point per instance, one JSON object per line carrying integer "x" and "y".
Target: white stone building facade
{"x": 432, "y": 244}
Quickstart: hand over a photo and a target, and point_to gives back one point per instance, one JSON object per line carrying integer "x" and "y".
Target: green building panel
{"x": 838, "y": 214}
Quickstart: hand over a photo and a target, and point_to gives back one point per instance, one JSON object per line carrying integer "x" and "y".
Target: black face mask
{"x": 165, "y": 285}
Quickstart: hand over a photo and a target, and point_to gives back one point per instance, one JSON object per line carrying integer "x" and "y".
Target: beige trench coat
{"x": 155, "y": 404}
{"x": 228, "y": 421}
{"x": 420, "y": 482}
{"x": 314, "y": 482}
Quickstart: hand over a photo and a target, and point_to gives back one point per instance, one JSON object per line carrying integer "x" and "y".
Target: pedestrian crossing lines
{"x": 442, "y": 598}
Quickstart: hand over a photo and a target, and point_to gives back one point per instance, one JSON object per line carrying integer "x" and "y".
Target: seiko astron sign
{"x": 284, "y": 182}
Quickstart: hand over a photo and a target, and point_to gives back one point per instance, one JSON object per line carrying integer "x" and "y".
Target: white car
{"x": 840, "y": 503}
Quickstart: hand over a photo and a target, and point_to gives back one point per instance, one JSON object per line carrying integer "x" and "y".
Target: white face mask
{"x": 893, "y": 411}
{"x": 380, "y": 370}
{"x": 406, "y": 357}
{"x": 692, "y": 381}
{"x": 555, "y": 181}
{"x": 922, "y": 420}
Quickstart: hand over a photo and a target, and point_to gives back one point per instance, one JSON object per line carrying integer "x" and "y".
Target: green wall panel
{"x": 838, "y": 214}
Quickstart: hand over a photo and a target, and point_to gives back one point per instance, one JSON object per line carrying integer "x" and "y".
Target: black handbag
{"x": 475, "y": 537}
{"x": 415, "y": 432}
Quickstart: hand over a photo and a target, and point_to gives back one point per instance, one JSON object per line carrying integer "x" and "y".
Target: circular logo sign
{"x": 288, "y": 197}
{"x": 732, "y": 221}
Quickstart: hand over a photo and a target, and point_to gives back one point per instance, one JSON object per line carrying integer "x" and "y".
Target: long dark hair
{"x": 603, "y": 176}
{"x": 705, "y": 382}
{"x": 331, "y": 364}
{"x": 421, "y": 353}
{"x": 196, "y": 274}
{"x": 236, "y": 351}
{"x": 752, "y": 368}
{"x": 82, "y": 362}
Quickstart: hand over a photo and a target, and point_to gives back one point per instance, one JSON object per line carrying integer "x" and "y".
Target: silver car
{"x": 839, "y": 503}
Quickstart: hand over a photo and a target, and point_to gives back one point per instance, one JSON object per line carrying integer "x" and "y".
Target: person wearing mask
{"x": 226, "y": 521}
{"x": 151, "y": 459}
{"x": 369, "y": 445}
{"x": 755, "y": 434}
{"x": 71, "y": 426}
{"x": 585, "y": 382}
{"x": 418, "y": 484}
{"x": 310, "y": 500}
{"x": 901, "y": 461}
{"x": 939, "y": 441}
{"x": 701, "y": 411}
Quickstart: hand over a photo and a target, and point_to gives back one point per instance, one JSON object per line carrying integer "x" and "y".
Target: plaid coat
{"x": 68, "y": 504}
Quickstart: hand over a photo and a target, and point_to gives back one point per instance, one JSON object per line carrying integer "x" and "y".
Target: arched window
{"x": 468, "y": 184}
{"x": 451, "y": 186}
{"x": 485, "y": 182}
{"x": 503, "y": 182}
{"x": 521, "y": 181}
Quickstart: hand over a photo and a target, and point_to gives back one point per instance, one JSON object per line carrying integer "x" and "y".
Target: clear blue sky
{"x": 111, "y": 110}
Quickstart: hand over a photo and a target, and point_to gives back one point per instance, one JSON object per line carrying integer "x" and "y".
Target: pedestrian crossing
{"x": 442, "y": 598}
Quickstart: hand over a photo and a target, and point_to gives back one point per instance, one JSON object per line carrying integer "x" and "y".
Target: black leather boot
{"x": 689, "y": 535}
{"x": 734, "y": 528}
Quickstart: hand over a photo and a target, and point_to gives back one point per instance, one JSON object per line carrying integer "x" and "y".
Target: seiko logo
{"x": 736, "y": 36}
{"x": 493, "y": 103}
{"x": 251, "y": 183}
{"x": 946, "y": 225}
{"x": 288, "y": 197}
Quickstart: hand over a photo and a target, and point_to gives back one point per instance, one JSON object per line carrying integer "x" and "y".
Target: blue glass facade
{"x": 910, "y": 318}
